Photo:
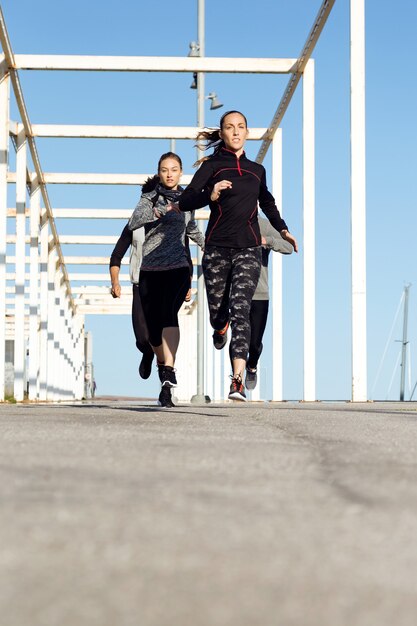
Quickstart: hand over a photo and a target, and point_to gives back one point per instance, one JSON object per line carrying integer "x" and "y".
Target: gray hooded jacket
{"x": 164, "y": 245}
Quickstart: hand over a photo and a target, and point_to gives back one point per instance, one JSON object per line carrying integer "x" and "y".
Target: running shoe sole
{"x": 237, "y": 396}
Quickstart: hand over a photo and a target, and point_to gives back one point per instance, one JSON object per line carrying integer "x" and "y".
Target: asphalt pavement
{"x": 118, "y": 513}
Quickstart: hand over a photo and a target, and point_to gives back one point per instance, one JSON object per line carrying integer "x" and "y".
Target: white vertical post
{"x": 358, "y": 199}
{"x": 20, "y": 252}
{"x": 57, "y": 369}
{"x": 51, "y": 328}
{"x": 43, "y": 309}
{"x": 65, "y": 330}
{"x": 276, "y": 283}
{"x": 4, "y": 158}
{"x": 35, "y": 203}
{"x": 80, "y": 348}
{"x": 309, "y": 260}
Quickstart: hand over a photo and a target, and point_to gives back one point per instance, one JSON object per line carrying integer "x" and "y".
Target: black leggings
{"x": 139, "y": 323}
{"x": 258, "y": 319}
{"x": 162, "y": 294}
{"x": 231, "y": 276}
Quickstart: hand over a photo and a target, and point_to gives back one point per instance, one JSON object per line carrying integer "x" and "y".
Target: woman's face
{"x": 234, "y": 132}
{"x": 170, "y": 173}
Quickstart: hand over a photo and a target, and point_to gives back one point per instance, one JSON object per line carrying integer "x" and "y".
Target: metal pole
{"x": 358, "y": 199}
{"x": 404, "y": 342}
{"x": 200, "y": 396}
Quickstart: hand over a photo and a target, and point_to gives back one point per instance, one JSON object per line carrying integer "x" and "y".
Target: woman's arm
{"x": 120, "y": 249}
{"x": 193, "y": 231}
{"x": 198, "y": 191}
{"x": 272, "y": 239}
{"x": 143, "y": 213}
{"x": 268, "y": 206}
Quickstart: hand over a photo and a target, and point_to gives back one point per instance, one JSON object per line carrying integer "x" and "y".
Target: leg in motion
{"x": 245, "y": 276}
{"x": 258, "y": 319}
{"x": 141, "y": 334}
{"x": 175, "y": 289}
{"x": 217, "y": 268}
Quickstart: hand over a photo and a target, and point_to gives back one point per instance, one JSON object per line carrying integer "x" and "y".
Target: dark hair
{"x": 169, "y": 155}
{"x": 152, "y": 181}
{"x": 212, "y": 137}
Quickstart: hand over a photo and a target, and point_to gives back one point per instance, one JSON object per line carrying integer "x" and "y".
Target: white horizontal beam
{"x": 13, "y": 128}
{"x": 119, "y": 214}
{"x": 127, "y": 132}
{"x": 89, "y": 239}
{"x": 95, "y": 290}
{"x": 97, "y": 277}
{"x": 103, "y": 310}
{"x": 153, "y": 64}
{"x": 77, "y": 178}
{"x": 113, "y": 214}
{"x": 90, "y": 260}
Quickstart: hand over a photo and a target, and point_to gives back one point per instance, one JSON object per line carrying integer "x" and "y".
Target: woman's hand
{"x": 172, "y": 206}
{"x": 290, "y": 238}
{"x": 116, "y": 290}
{"x": 218, "y": 188}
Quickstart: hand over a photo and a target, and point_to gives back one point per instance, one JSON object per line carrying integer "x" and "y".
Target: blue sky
{"x": 276, "y": 28}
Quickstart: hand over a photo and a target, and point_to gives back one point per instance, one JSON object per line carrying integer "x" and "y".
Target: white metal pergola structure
{"x": 42, "y": 307}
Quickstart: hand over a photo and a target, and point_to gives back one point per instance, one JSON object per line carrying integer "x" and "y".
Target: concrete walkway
{"x": 117, "y": 513}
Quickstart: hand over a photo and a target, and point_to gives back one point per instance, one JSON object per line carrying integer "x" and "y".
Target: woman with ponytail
{"x": 164, "y": 278}
{"x": 232, "y": 186}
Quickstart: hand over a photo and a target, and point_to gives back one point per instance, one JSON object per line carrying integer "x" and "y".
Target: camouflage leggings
{"x": 231, "y": 276}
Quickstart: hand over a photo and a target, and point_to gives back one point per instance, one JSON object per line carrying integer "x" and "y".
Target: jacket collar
{"x": 229, "y": 153}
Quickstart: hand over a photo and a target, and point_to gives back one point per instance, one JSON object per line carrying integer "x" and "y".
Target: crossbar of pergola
{"x": 126, "y": 132}
{"x": 217, "y": 65}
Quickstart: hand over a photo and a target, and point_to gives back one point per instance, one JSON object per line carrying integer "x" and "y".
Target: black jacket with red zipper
{"x": 233, "y": 220}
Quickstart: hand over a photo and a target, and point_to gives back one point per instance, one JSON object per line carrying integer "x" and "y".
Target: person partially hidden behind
{"x": 271, "y": 240}
{"x": 134, "y": 241}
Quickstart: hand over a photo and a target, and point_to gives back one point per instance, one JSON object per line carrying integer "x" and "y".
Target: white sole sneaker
{"x": 237, "y": 396}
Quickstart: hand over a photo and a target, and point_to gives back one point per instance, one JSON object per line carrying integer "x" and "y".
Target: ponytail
{"x": 212, "y": 138}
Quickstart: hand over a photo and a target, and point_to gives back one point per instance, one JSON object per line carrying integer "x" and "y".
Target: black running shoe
{"x": 251, "y": 379}
{"x": 237, "y": 391}
{"x": 165, "y": 398}
{"x": 168, "y": 378}
{"x": 220, "y": 337}
{"x": 145, "y": 367}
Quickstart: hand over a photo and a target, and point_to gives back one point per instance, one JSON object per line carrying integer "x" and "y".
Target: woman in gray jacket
{"x": 164, "y": 278}
{"x": 271, "y": 240}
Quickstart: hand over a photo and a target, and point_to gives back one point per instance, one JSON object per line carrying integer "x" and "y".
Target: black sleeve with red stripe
{"x": 268, "y": 206}
{"x": 197, "y": 194}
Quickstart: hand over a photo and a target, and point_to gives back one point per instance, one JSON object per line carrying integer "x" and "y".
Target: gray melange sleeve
{"x": 274, "y": 241}
{"x": 193, "y": 231}
{"x": 143, "y": 213}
